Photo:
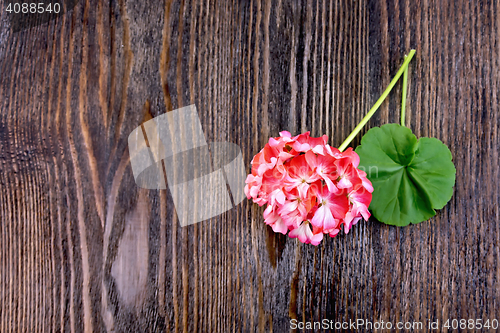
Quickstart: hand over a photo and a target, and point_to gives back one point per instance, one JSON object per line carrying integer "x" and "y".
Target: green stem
{"x": 403, "y": 100}
{"x": 378, "y": 103}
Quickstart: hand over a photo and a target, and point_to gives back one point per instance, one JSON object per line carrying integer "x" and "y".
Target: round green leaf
{"x": 411, "y": 178}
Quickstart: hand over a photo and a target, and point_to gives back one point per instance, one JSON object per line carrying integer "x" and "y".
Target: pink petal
{"x": 268, "y": 212}
{"x": 334, "y": 232}
{"x": 319, "y": 150}
{"x": 323, "y": 218}
{"x": 299, "y": 233}
{"x": 319, "y": 217}
{"x": 365, "y": 213}
{"x": 276, "y": 143}
{"x": 280, "y": 197}
{"x": 285, "y": 134}
{"x": 367, "y": 184}
{"x": 280, "y": 226}
{"x": 297, "y": 146}
{"x": 316, "y": 239}
{"x": 254, "y": 191}
{"x": 308, "y": 233}
{"x": 348, "y": 225}
{"x": 288, "y": 207}
{"x": 285, "y": 156}
{"x": 344, "y": 183}
{"x": 311, "y": 159}
{"x": 331, "y": 187}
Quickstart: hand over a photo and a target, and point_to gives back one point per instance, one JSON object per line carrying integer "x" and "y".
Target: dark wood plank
{"x": 83, "y": 249}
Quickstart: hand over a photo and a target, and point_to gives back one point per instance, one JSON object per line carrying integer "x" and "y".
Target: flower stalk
{"x": 379, "y": 102}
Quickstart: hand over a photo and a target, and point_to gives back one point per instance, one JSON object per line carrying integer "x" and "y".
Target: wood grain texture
{"x": 83, "y": 249}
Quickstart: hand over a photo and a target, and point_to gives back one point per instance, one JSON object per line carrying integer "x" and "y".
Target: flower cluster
{"x": 310, "y": 188}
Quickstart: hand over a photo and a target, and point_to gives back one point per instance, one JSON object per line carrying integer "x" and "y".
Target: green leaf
{"x": 411, "y": 178}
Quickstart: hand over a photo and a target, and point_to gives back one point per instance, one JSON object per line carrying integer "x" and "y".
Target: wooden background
{"x": 83, "y": 249}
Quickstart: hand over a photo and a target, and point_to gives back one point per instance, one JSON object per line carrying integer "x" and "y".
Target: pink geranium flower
{"x": 332, "y": 207}
{"x": 305, "y": 234}
{"x": 310, "y": 188}
{"x": 299, "y": 176}
{"x": 273, "y": 219}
